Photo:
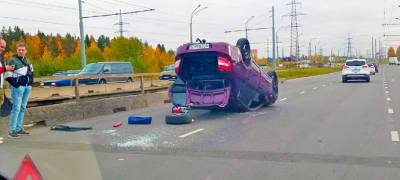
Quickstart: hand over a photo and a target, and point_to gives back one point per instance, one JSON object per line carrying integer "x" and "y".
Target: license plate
{"x": 199, "y": 46}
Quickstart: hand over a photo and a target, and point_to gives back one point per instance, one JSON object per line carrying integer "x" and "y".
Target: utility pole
{"x": 273, "y": 39}
{"x": 372, "y": 52}
{"x": 121, "y": 25}
{"x": 375, "y": 50}
{"x": 294, "y": 29}
{"x": 82, "y": 36}
{"x": 195, "y": 11}
{"x": 349, "y": 47}
{"x": 268, "y": 55}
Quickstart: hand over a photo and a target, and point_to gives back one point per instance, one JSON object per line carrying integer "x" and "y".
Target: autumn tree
{"x": 391, "y": 52}
{"x": 33, "y": 45}
{"x": 123, "y": 48}
{"x": 107, "y": 53}
{"x": 93, "y": 53}
{"x": 46, "y": 54}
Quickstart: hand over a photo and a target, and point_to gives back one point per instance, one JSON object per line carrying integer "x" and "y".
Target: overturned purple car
{"x": 223, "y": 76}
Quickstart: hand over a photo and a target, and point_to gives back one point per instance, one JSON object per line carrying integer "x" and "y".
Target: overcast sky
{"x": 328, "y": 20}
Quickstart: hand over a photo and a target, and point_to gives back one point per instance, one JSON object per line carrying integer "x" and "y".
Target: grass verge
{"x": 306, "y": 72}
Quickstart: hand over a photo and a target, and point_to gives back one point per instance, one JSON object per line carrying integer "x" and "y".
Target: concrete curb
{"x": 75, "y": 111}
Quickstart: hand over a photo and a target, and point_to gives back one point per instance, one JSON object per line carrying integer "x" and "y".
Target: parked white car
{"x": 393, "y": 61}
{"x": 356, "y": 69}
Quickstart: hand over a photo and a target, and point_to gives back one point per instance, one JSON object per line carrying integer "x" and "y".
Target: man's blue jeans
{"x": 20, "y": 97}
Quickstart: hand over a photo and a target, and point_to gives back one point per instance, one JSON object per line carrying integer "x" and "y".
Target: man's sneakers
{"x": 18, "y": 134}
{"x": 13, "y": 135}
{"x": 23, "y": 133}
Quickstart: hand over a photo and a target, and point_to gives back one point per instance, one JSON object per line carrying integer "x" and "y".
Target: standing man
{"x": 21, "y": 88}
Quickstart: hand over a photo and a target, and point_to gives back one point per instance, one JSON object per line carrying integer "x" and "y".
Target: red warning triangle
{"x": 27, "y": 170}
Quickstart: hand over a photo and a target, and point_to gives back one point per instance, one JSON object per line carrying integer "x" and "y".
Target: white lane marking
{"x": 302, "y": 92}
{"x": 324, "y": 85}
{"x": 315, "y": 88}
{"x": 1, "y": 142}
{"x": 395, "y": 136}
{"x": 388, "y": 99}
{"x": 386, "y": 87}
{"x": 387, "y": 92}
{"x": 284, "y": 99}
{"x": 190, "y": 133}
{"x": 390, "y": 111}
{"x": 120, "y": 159}
{"x": 1, "y": 138}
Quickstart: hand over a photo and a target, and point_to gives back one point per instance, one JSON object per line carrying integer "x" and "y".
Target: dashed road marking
{"x": 390, "y": 111}
{"x": 324, "y": 85}
{"x": 315, "y": 88}
{"x": 120, "y": 159}
{"x": 386, "y": 87}
{"x": 283, "y": 99}
{"x": 388, "y": 99}
{"x": 302, "y": 92}
{"x": 395, "y": 136}
{"x": 387, "y": 92}
{"x": 190, "y": 133}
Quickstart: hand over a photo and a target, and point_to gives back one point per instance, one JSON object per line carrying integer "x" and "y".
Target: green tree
{"x": 123, "y": 48}
{"x": 93, "y": 53}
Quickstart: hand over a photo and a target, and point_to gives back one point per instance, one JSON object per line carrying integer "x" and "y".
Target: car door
{"x": 107, "y": 71}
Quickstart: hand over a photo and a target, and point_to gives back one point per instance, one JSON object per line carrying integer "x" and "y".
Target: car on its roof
{"x": 220, "y": 75}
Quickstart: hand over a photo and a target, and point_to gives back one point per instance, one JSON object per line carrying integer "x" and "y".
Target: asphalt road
{"x": 319, "y": 129}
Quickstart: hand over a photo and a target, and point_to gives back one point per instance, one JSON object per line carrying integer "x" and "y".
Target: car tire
{"x": 275, "y": 87}
{"x": 102, "y": 81}
{"x": 178, "y": 119}
{"x": 244, "y": 46}
{"x": 344, "y": 80}
{"x": 367, "y": 79}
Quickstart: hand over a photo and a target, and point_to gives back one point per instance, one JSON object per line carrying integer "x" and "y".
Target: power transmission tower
{"x": 294, "y": 29}
{"x": 121, "y": 25}
{"x": 349, "y": 47}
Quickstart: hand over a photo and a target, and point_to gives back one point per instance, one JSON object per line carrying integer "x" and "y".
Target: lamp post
{"x": 245, "y": 25}
{"x": 195, "y": 11}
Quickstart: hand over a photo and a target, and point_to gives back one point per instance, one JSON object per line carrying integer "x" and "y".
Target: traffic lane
{"x": 339, "y": 118}
{"x": 308, "y": 83}
{"x": 346, "y": 154}
{"x": 390, "y": 85}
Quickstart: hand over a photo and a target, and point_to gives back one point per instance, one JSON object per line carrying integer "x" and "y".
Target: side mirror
{"x": 106, "y": 70}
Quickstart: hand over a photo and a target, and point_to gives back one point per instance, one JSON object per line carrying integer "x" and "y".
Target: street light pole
{"x": 273, "y": 39}
{"x": 245, "y": 25}
{"x": 82, "y": 34}
{"x": 195, "y": 11}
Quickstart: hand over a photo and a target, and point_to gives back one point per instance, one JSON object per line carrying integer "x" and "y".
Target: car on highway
{"x": 223, "y": 76}
{"x": 356, "y": 69}
{"x": 103, "y": 72}
{"x": 168, "y": 73}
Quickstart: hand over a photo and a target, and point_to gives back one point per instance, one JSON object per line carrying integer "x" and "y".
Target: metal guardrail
{"x": 142, "y": 78}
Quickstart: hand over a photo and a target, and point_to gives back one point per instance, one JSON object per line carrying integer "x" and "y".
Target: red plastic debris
{"x": 117, "y": 124}
{"x": 28, "y": 170}
{"x": 176, "y": 110}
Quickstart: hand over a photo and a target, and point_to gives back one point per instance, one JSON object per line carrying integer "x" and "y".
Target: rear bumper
{"x": 356, "y": 76}
{"x": 208, "y": 99}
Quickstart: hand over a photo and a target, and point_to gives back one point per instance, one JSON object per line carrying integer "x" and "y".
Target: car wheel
{"x": 344, "y": 80}
{"x": 368, "y": 79}
{"x": 275, "y": 87}
{"x": 244, "y": 46}
{"x": 102, "y": 81}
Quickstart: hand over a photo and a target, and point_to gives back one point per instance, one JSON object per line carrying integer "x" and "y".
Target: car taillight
{"x": 224, "y": 64}
{"x": 365, "y": 66}
{"x": 177, "y": 66}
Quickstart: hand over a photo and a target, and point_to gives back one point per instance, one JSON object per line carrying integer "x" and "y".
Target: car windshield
{"x": 355, "y": 63}
{"x": 92, "y": 68}
{"x": 169, "y": 68}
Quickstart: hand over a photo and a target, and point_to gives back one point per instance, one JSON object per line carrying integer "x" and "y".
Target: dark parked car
{"x": 67, "y": 73}
{"x": 104, "y": 70}
{"x": 220, "y": 75}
